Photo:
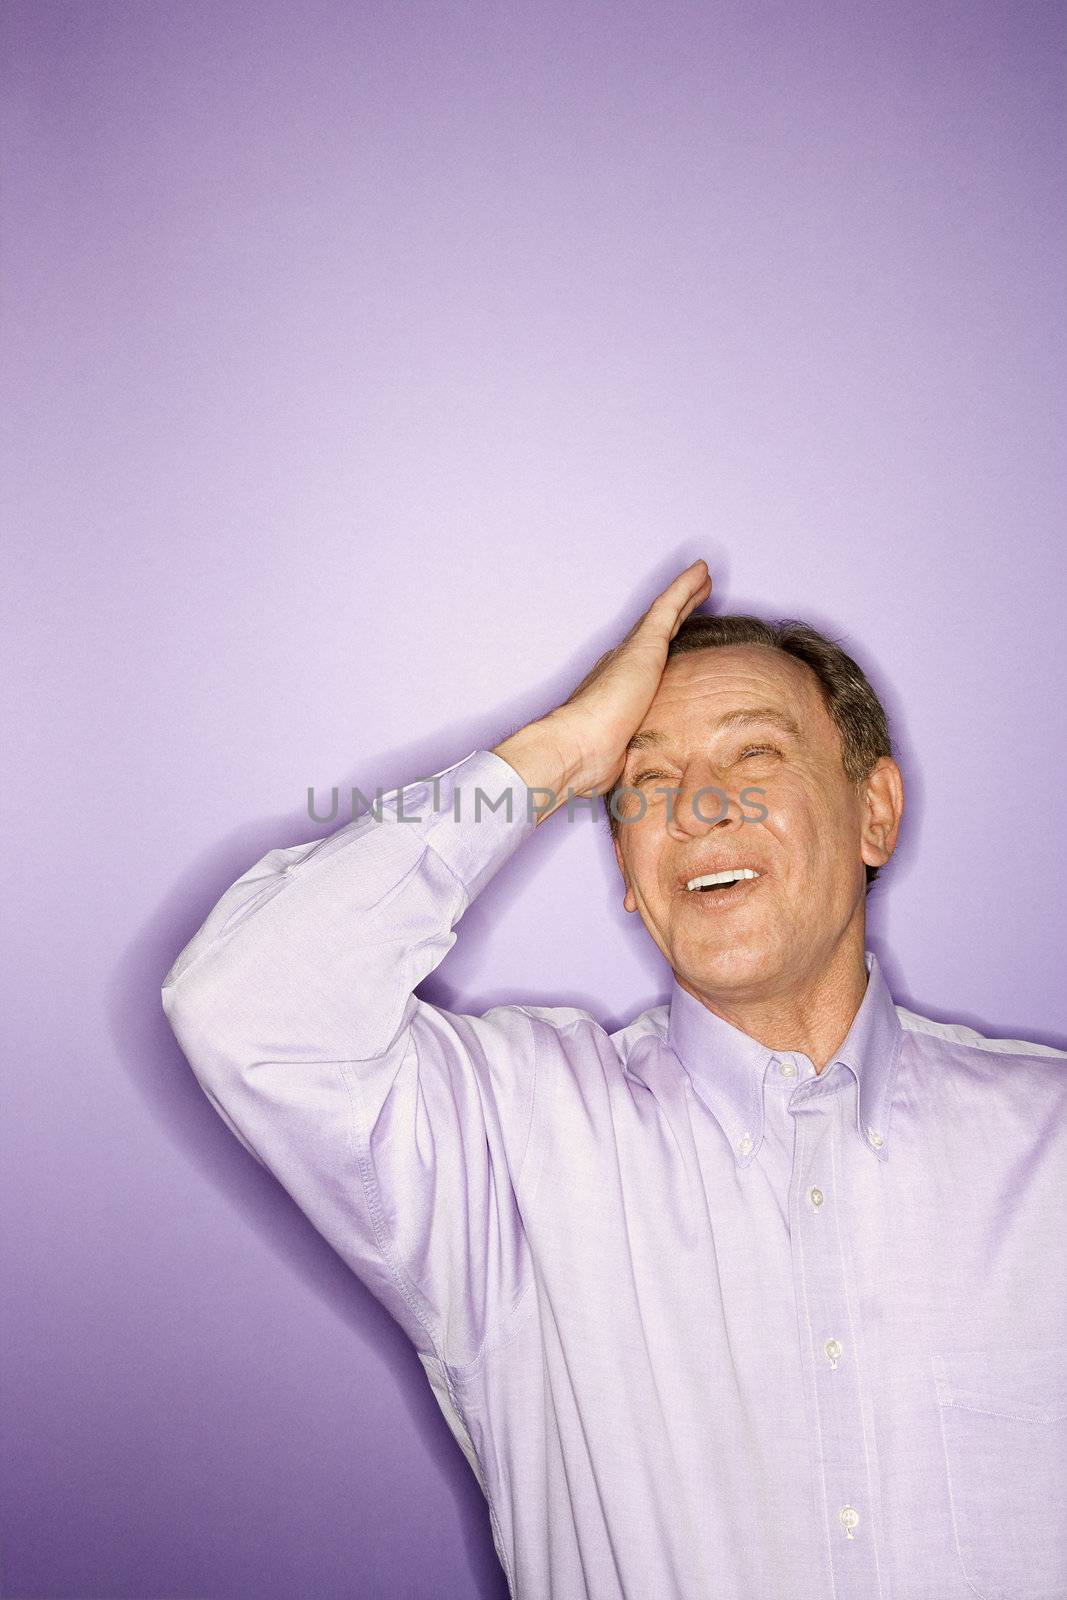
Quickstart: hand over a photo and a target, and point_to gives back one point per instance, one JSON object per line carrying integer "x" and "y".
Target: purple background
{"x": 373, "y": 365}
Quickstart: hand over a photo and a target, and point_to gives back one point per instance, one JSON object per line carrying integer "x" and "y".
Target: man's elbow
{"x": 202, "y": 1021}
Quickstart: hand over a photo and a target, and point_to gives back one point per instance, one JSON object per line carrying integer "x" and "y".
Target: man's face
{"x": 773, "y": 934}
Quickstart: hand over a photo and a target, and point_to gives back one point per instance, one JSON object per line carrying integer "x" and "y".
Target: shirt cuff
{"x": 480, "y": 812}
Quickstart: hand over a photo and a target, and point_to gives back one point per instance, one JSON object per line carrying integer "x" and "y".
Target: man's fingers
{"x": 685, "y": 583}
{"x": 688, "y": 590}
{"x": 664, "y": 617}
{"x": 695, "y": 600}
{"x": 688, "y": 609}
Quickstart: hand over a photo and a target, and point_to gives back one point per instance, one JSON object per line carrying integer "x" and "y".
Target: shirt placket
{"x": 829, "y": 1336}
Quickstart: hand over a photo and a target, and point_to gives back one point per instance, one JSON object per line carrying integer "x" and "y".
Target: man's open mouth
{"x": 716, "y": 882}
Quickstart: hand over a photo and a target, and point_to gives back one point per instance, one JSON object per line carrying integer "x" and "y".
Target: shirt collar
{"x": 728, "y": 1067}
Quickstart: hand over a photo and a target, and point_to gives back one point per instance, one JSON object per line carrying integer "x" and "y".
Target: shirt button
{"x": 786, "y": 1068}
{"x": 833, "y": 1348}
{"x": 875, "y": 1138}
{"x": 815, "y": 1196}
{"x": 849, "y": 1518}
{"x": 745, "y": 1144}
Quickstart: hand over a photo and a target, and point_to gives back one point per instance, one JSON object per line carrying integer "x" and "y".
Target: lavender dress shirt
{"x": 707, "y": 1325}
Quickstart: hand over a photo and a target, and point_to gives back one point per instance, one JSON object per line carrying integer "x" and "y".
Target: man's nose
{"x": 704, "y": 802}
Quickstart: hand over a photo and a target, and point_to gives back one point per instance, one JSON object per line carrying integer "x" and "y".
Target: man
{"x": 762, "y": 1297}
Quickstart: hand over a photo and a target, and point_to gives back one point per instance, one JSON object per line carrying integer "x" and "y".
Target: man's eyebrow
{"x": 744, "y": 717}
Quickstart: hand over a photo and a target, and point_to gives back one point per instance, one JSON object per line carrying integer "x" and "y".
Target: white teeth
{"x": 730, "y": 876}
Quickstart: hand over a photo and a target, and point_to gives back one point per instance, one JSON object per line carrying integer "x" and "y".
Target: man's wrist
{"x": 543, "y": 759}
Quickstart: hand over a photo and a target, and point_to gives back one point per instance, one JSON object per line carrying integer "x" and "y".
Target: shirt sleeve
{"x": 399, "y": 1128}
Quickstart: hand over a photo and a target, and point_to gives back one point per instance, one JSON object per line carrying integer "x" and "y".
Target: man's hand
{"x": 600, "y": 718}
{"x": 582, "y": 744}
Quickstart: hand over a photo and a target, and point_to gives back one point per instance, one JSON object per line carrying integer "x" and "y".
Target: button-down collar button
{"x": 745, "y": 1144}
{"x": 849, "y": 1519}
{"x": 875, "y": 1138}
{"x": 815, "y": 1196}
{"x": 833, "y": 1348}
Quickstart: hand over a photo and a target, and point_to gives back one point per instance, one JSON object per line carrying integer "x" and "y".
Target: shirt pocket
{"x": 1003, "y": 1414}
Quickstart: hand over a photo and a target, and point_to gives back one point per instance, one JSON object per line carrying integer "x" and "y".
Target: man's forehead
{"x": 732, "y": 687}
{"x": 735, "y": 665}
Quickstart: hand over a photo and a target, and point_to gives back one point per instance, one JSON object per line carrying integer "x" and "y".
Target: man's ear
{"x": 883, "y": 807}
{"x": 629, "y": 903}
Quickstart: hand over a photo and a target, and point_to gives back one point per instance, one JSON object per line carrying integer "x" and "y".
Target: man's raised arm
{"x": 398, "y": 1127}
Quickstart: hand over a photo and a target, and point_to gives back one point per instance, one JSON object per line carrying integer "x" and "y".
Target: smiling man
{"x": 779, "y": 952}
{"x": 762, "y": 1295}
